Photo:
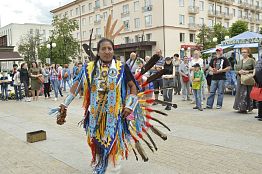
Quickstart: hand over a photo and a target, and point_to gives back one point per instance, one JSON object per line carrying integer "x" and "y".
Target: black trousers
{"x": 46, "y": 89}
{"x": 260, "y": 109}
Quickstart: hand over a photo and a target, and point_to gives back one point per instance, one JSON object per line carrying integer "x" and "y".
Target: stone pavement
{"x": 212, "y": 141}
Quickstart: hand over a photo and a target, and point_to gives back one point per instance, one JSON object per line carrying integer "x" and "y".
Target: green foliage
{"x": 238, "y": 27}
{"x": 27, "y": 47}
{"x": 67, "y": 46}
{"x": 205, "y": 36}
{"x": 220, "y": 32}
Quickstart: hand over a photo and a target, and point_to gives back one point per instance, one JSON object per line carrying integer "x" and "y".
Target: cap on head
{"x": 196, "y": 65}
{"x": 168, "y": 58}
{"x": 219, "y": 49}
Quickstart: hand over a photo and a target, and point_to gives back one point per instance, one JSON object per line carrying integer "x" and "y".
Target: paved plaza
{"x": 212, "y": 141}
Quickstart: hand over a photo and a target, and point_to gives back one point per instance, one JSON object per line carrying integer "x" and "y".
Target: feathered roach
{"x": 154, "y": 77}
{"x": 156, "y": 131}
{"x": 149, "y": 137}
{"x": 152, "y": 118}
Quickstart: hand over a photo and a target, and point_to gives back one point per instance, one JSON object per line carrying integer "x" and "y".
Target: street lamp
{"x": 226, "y": 37}
{"x": 214, "y": 39}
{"x": 50, "y": 46}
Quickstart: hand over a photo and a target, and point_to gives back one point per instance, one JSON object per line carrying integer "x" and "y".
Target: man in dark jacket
{"x": 258, "y": 75}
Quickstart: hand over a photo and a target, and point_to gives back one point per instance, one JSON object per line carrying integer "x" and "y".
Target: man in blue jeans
{"x": 219, "y": 66}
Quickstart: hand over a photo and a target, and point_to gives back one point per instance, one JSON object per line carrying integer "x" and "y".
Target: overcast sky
{"x": 28, "y": 11}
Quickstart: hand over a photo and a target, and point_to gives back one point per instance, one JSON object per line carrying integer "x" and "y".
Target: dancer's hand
{"x": 126, "y": 112}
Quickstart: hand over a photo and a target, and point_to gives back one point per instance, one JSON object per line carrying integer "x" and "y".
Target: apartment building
{"x": 14, "y": 32}
{"x": 171, "y": 25}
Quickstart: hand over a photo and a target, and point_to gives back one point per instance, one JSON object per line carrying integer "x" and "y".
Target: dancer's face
{"x": 106, "y": 52}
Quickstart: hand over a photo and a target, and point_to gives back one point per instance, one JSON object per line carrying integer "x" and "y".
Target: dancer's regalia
{"x": 106, "y": 98}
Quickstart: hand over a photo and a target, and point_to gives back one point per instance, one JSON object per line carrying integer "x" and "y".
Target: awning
{"x": 10, "y": 56}
{"x": 213, "y": 50}
{"x": 250, "y": 45}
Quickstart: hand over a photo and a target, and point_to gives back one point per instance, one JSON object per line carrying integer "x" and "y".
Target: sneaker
{"x": 208, "y": 107}
{"x": 55, "y": 99}
{"x": 219, "y": 107}
{"x": 189, "y": 99}
{"x": 260, "y": 119}
{"x": 193, "y": 102}
{"x": 195, "y": 107}
{"x": 183, "y": 99}
{"x": 155, "y": 103}
{"x": 168, "y": 108}
{"x": 201, "y": 109}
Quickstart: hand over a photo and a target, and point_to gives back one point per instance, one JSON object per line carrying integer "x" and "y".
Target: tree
{"x": 27, "y": 47}
{"x": 238, "y": 27}
{"x": 67, "y": 47}
{"x": 205, "y": 36}
{"x": 220, "y": 32}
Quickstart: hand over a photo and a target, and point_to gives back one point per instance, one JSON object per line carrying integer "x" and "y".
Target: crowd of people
{"x": 190, "y": 77}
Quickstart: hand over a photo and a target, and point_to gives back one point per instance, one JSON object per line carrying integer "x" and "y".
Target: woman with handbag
{"x": 245, "y": 81}
{"x": 185, "y": 79}
{"x": 36, "y": 80}
{"x": 257, "y": 89}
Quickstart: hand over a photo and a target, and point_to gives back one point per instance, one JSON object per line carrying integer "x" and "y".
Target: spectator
{"x": 258, "y": 79}
{"x": 168, "y": 81}
{"x": 54, "y": 80}
{"x": 24, "y": 78}
{"x": 17, "y": 86}
{"x": 4, "y": 86}
{"x": 185, "y": 78}
{"x": 218, "y": 66}
{"x": 133, "y": 62}
{"x": 66, "y": 76}
{"x": 158, "y": 83}
{"x": 208, "y": 76}
{"x": 197, "y": 80}
{"x": 232, "y": 74}
{"x": 79, "y": 68}
{"x": 14, "y": 70}
{"x": 176, "y": 63}
{"x": 59, "y": 71}
{"x": 35, "y": 74}
{"x": 242, "y": 100}
{"x": 74, "y": 70}
{"x": 46, "y": 74}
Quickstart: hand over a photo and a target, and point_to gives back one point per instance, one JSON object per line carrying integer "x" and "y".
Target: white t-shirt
{"x": 199, "y": 61}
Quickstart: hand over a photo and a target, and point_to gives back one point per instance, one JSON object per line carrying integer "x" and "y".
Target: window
{"x": 84, "y": 34}
{"x": 148, "y": 37}
{"x": 211, "y": 7}
{"x": 210, "y": 22}
{"x": 147, "y": 3}
{"x": 226, "y": 24}
{"x": 31, "y": 31}
{"x": 181, "y": 3}
{"x": 192, "y": 3}
{"x": 258, "y": 29}
{"x": 136, "y": 38}
{"x": 126, "y": 40}
{"x": 97, "y": 4}
{"x": 136, "y": 5}
{"x": 77, "y": 11}
{"x": 191, "y": 19}
{"x": 252, "y": 28}
{"x": 90, "y": 19}
{"x": 90, "y": 6}
{"x": 137, "y": 23}
{"x": 219, "y": 9}
{"x": 191, "y": 37}
{"x": 202, "y": 21}
{"x": 240, "y": 13}
{"x": 181, "y": 19}
{"x": 202, "y": 5}
{"x": 83, "y": 21}
{"x": 182, "y": 37}
{"x": 71, "y": 13}
{"x": 66, "y": 14}
{"x": 98, "y": 17}
{"x": 43, "y": 32}
{"x": 226, "y": 10}
{"x": 126, "y": 24}
{"x": 98, "y": 31}
{"x": 105, "y": 2}
{"x": 37, "y": 31}
{"x": 148, "y": 20}
{"x": 234, "y": 12}
{"x": 83, "y": 8}
{"x": 77, "y": 35}
{"x": 126, "y": 9}
{"x": 105, "y": 16}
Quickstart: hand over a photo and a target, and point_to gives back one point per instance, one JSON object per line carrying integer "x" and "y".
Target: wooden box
{"x": 36, "y": 136}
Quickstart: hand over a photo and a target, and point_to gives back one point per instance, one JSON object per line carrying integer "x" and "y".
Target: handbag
{"x": 196, "y": 85}
{"x": 256, "y": 93}
{"x": 247, "y": 79}
{"x": 185, "y": 79}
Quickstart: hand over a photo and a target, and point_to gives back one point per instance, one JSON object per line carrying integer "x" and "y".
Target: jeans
{"x": 46, "y": 89}
{"x": 231, "y": 79}
{"x": 168, "y": 85}
{"x": 219, "y": 86}
{"x": 55, "y": 85}
{"x": 4, "y": 90}
{"x": 26, "y": 88}
{"x": 198, "y": 97}
{"x": 185, "y": 89}
{"x": 18, "y": 92}
{"x": 68, "y": 83}
{"x": 177, "y": 87}
{"x": 59, "y": 87}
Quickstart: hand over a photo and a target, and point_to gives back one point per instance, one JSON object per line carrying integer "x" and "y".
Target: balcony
{"x": 211, "y": 13}
{"x": 246, "y": 5}
{"x": 193, "y": 9}
{"x": 97, "y": 7}
{"x": 217, "y": 1}
{"x": 193, "y": 26}
{"x": 228, "y": 2}
{"x": 258, "y": 21}
{"x": 245, "y": 18}
{"x": 147, "y": 8}
{"x": 252, "y": 20}
{"x": 125, "y": 14}
{"x": 97, "y": 22}
{"x": 219, "y": 14}
{"x": 228, "y": 15}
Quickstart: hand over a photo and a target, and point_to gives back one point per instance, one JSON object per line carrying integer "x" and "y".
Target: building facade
{"x": 170, "y": 25}
{"x": 15, "y": 32}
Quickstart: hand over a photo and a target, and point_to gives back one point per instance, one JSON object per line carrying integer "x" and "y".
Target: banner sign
{"x": 242, "y": 41}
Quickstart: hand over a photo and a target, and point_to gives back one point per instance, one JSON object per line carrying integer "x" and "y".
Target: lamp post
{"x": 50, "y": 46}
{"x": 226, "y": 37}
